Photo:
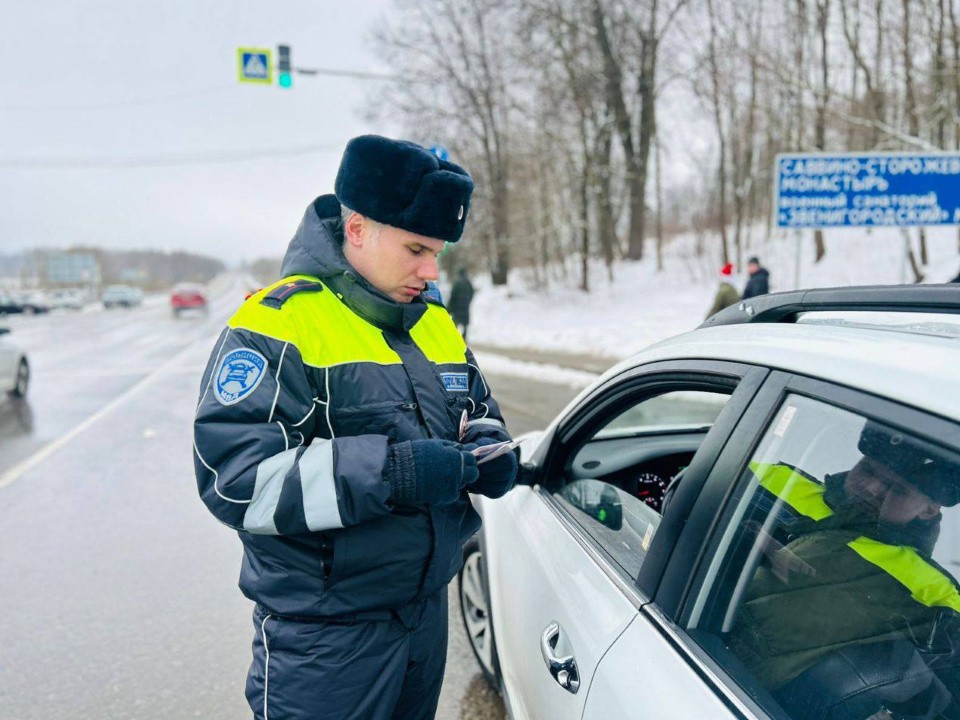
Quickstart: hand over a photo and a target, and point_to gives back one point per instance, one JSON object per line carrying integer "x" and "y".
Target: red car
{"x": 188, "y": 296}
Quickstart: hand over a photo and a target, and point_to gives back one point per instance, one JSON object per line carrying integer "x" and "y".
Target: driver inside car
{"x": 857, "y": 568}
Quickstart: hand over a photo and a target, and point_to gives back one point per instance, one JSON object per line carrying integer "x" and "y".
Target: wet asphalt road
{"x": 118, "y": 588}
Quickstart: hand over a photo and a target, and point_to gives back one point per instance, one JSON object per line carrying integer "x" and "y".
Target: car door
{"x": 8, "y": 360}
{"x": 777, "y": 599}
{"x": 563, "y": 556}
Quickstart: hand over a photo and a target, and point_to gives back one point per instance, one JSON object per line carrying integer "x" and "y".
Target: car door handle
{"x": 559, "y": 658}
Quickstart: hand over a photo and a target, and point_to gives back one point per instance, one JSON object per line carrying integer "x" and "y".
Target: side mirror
{"x": 528, "y": 474}
{"x": 4, "y": 330}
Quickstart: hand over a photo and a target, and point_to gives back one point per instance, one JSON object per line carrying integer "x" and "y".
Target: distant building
{"x": 64, "y": 269}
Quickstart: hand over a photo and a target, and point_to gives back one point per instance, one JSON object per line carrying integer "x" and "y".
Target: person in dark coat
{"x": 334, "y": 432}
{"x": 460, "y": 297}
{"x": 759, "y": 282}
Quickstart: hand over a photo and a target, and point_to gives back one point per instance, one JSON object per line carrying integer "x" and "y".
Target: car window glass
{"x": 833, "y": 589}
{"x": 670, "y": 411}
{"x": 615, "y": 481}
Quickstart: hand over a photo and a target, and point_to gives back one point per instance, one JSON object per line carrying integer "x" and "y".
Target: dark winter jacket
{"x": 844, "y": 580}
{"x": 459, "y": 302}
{"x": 726, "y": 296}
{"x": 306, "y": 388}
{"x": 758, "y": 284}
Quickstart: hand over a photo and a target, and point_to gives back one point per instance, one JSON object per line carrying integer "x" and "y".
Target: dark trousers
{"x": 384, "y": 669}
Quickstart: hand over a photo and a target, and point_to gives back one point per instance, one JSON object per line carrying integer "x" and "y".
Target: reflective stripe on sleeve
{"x": 319, "y": 487}
{"x": 258, "y": 519}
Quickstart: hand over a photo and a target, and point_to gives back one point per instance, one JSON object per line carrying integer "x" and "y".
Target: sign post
{"x": 846, "y": 190}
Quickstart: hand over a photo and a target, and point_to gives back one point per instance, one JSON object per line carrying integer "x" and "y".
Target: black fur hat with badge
{"x": 402, "y": 184}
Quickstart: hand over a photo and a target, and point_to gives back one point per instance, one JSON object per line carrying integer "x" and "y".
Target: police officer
{"x": 334, "y": 432}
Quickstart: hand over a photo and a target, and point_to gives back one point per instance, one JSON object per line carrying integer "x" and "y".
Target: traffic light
{"x": 284, "y": 76}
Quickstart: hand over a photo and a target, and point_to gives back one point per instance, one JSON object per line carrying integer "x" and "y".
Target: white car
{"x": 682, "y": 541}
{"x": 125, "y": 296}
{"x": 68, "y": 299}
{"x": 14, "y": 367}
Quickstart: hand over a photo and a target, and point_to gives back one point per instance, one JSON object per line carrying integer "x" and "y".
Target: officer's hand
{"x": 484, "y": 434}
{"x": 497, "y": 476}
{"x": 432, "y": 472}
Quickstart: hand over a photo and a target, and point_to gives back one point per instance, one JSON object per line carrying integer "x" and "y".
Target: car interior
{"x": 617, "y": 478}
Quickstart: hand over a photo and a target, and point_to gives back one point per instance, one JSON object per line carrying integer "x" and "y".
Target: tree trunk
{"x": 659, "y": 190}
{"x": 823, "y": 17}
{"x": 635, "y": 177}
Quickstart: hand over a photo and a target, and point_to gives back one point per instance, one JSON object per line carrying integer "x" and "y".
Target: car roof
{"x": 919, "y": 370}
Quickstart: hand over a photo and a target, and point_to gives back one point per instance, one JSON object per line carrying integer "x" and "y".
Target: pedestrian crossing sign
{"x": 254, "y": 65}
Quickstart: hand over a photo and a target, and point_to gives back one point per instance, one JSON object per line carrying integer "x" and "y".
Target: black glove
{"x": 432, "y": 472}
{"x": 497, "y": 476}
{"x": 485, "y": 431}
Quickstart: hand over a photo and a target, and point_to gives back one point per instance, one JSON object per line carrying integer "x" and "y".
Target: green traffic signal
{"x": 284, "y": 69}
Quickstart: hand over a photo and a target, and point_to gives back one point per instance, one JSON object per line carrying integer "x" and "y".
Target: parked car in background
{"x": 14, "y": 367}
{"x": 68, "y": 299}
{"x": 121, "y": 296}
{"x": 188, "y": 296}
{"x": 33, "y": 301}
{"x": 9, "y": 305}
{"x": 758, "y": 519}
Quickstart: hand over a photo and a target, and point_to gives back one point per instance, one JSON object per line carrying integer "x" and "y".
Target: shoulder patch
{"x": 240, "y": 372}
{"x": 281, "y": 293}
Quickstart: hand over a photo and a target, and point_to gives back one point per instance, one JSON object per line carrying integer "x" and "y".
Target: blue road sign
{"x": 867, "y": 189}
{"x": 254, "y": 66}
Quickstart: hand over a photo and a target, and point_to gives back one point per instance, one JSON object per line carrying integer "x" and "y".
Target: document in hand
{"x": 485, "y": 453}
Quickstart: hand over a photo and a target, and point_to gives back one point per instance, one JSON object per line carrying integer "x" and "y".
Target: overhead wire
{"x": 135, "y": 102}
{"x": 173, "y": 160}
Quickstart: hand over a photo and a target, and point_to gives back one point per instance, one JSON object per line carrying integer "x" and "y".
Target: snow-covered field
{"x": 641, "y": 306}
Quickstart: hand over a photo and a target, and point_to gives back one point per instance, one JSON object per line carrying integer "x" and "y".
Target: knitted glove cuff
{"x": 402, "y": 473}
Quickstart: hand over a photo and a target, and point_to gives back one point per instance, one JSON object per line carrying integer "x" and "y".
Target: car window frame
{"x": 715, "y": 504}
{"x": 742, "y": 380}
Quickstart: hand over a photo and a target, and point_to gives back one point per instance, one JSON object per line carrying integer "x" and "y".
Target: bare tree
{"x": 456, "y": 55}
{"x": 634, "y": 114}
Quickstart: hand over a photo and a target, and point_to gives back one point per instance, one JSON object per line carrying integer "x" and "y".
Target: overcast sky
{"x": 123, "y": 125}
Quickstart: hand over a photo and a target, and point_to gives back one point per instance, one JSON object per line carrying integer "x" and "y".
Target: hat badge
{"x": 460, "y": 214}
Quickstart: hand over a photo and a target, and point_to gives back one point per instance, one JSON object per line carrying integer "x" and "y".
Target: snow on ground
{"x": 501, "y": 365}
{"x": 641, "y": 306}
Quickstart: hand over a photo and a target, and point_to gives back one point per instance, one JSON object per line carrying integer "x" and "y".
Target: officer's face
{"x": 885, "y": 494}
{"x": 396, "y": 262}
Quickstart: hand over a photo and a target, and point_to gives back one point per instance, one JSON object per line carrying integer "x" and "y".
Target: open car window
{"x": 614, "y": 481}
{"x": 833, "y": 591}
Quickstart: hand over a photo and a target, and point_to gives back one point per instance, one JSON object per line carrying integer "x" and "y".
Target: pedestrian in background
{"x": 759, "y": 280}
{"x": 461, "y": 295}
{"x": 334, "y": 432}
{"x": 726, "y": 293}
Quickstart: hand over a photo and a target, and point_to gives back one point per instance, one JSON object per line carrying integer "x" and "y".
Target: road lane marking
{"x": 24, "y": 466}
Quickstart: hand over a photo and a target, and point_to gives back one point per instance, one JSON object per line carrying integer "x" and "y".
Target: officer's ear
{"x": 353, "y": 230}
{"x": 930, "y": 510}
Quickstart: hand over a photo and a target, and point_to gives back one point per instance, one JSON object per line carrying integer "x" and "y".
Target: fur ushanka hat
{"x": 402, "y": 184}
